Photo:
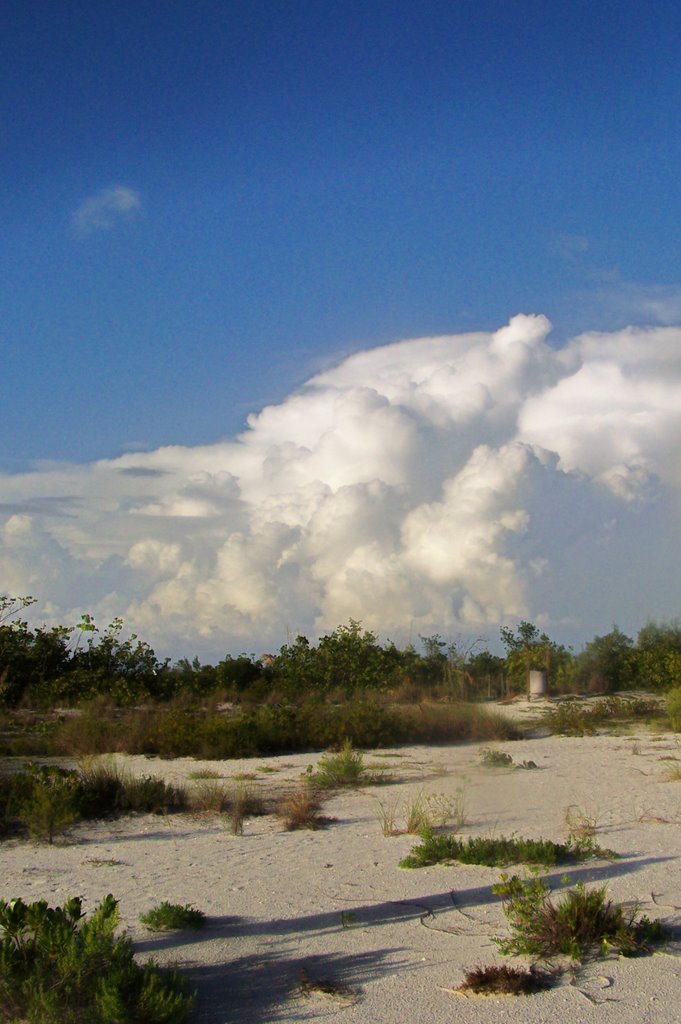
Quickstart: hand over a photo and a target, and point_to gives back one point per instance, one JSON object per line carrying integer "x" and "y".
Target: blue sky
{"x": 204, "y": 205}
{"x": 313, "y": 178}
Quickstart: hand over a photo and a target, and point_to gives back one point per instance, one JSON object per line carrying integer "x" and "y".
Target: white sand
{"x": 335, "y": 902}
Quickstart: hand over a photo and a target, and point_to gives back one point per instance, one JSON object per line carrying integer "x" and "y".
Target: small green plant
{"x": 500, "y": 979}
{"x": 59, "y": 968}
{"x": 494, "y": 851}
{"x": 167, "y": 917}
{"x": 345, "y": 768}
{"x": 583, "y": 922}
{"x": 495, "y": 758}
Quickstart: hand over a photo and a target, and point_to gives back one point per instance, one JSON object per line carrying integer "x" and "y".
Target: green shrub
{"x": 346, "y": 768}
{"x": 495, "y": 851}
{"x": 48, "y": 806}
{"x": 58, "y": 968}
{"x": 673, "y": 708}
{"x": 172, "y": 917}
{"x": 583, "y": 922}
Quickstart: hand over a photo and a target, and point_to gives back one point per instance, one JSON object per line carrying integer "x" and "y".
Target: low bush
{"x": 583, "y": 922}
{"x": 167, "y": 917}
{"x": 56, "y": 967}
{"x": 495, "y": 851}
{"x": 581, "y": 719}
{"x": 48, "y": 800}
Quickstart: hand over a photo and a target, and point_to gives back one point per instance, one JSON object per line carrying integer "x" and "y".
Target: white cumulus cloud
{"x": 444, "y": 484}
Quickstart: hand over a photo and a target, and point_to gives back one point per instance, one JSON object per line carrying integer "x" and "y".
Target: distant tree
{"x": 658, "y": 655}
{"x": 607, "y": 663}
{"x": 526, "y": 649}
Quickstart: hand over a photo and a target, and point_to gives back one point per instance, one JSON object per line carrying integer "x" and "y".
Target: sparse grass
{"x": 168, "y": 917}
{"x": 433, "y": 810}
{"x": 59, "y": 968}
{"x": 301, "y": 809}
{"x": 204, "y": 773}
{"x": 581, "y": 826}
{"x": 495, "y": 851}
{"x": 582, "y": 923}
{"x": 209, "y": 796}
{"x": 386, "y": 813}
{"x": 673, "y": 773}
{"x": 500, "y": 979}
{"x": 495, "y": 758}
{"x": 243, "y": 802}
{"x": 102, "y": 862}
{"x": 244, "y": 776}
{"x": 417, "y": 813}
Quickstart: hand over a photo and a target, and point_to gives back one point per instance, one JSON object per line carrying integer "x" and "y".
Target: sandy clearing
{"x": 335, "y": 903}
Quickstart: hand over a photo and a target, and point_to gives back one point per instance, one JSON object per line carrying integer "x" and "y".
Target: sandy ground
{"x": 335, "y": 903}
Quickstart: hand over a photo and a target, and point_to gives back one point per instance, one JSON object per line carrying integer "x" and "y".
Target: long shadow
{"x": 262, "y": 988}
{"x": 387, "y": 912}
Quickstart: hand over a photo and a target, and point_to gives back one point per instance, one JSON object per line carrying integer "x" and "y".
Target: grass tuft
{"x": 301, "y": 809}
{"x": 168, "y": 917}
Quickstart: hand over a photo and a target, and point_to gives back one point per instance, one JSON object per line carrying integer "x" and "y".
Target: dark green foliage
{"x": 56, "y": 967}
{"x": 606, "y": 663}
{"x": 582, "y": 923}
{"x": 496, "y": 851}
{"x": 173, "y": 917}
{"x": 500, "y": 979}
{"x": 349, "y": 659}
{"x": 528, "y": 649}
{"x": 658, "y": 655}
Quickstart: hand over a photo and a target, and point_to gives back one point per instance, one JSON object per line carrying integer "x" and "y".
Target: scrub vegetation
{"x": 59, "y": 967}
{"x": 75, "y": 690}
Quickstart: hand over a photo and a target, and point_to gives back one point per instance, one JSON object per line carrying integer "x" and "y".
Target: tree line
{"x": 43, "y": 666}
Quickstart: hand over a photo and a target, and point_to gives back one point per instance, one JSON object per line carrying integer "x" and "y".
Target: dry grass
{"x": 499, "y": 979}
{"x": 301, "y": 809}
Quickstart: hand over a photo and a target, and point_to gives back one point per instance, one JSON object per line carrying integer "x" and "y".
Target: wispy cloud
{"x": 105, "y": 209}
{"x": 442, "y": 484}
